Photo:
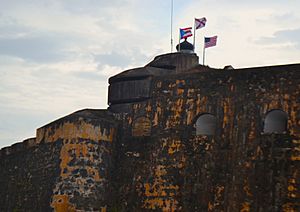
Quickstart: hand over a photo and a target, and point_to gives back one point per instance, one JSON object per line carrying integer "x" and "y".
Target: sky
{"x": 56, "y": 55}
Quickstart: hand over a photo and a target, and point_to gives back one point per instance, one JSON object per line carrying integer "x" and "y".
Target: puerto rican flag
{"x": 200, "y": 22}
{"x": 185, "y": 32}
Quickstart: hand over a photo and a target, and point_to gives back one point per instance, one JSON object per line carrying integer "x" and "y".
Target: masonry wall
{"x": 68, "y": 168}
{"x": 237, "y": 169}
{"x": 27, "y": 175}
{"x": 150, "y": 158}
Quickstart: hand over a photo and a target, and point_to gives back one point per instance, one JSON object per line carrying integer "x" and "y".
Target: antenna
{"x": 171, "y": 26}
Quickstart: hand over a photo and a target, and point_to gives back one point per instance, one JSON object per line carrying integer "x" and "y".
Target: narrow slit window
{"x": 206, "y": 124}
{"x": 275, "y": 122}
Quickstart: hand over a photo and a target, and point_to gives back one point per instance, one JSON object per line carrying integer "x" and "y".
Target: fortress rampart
{"x": 177, "y": 136}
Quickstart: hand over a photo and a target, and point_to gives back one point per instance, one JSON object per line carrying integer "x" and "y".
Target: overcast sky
{"x": 56, "y": 55}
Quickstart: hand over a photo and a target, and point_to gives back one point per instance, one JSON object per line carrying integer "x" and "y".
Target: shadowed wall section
{"x": 27, "y": 175}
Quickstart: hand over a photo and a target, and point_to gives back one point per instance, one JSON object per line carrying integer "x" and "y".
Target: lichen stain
{"x": 174, "y": 147}
{"x": 157, "y": 114}
{"x": 61, "y": 203}
{"x": 252, "y": 130}
{"x": 246, "y": 189}
{"x": 228, "y": 119}
{"x": 79, "y": 150}
{"x": 94, "y": 172}
{"x": 218, "y": 195}
{"x": 171, "y": 147}
{"x": 180, "y": 82}
{"x": 177, "y": 108}
{"x": 245, "y": 207}
{"x": 273, "y": 104}
{"x": 219, "y": 191}
{"x": 176, "y": 116}
{"x": 292, "y": 188}
{"x": 201, "y": 104}
{"x": 210, "y": 206}
{"x": 295, "y": 156}
{"x": 293, "y": 124}
{"x": 226, "y": 115}
{"x": 166, "y": 205}
{"x": 190, "y": 93}
{"x": 257, "y": 154}
{"x": 293, "y": 192}
{"x": 180, "y": 91}
{"x": 181, "y": 163}
{"x": 289, "y": 207}
{"x": 190, "y": 111}
{"x": 141, "y": 127}
{"x": 160, "y": 194}
{"x": 70, "y": 130}
{"x": 148, "y": 108}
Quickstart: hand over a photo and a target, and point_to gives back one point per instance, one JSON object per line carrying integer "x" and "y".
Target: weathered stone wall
{"x": 27, "y": 176}
{"x": 237, "y": 169}
{"x": 68, "y": 169}
{"x": 147, "y": 155}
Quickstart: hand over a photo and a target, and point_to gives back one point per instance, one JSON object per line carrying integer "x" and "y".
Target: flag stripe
{"x": 186, "y": 29}
{"x": 185, "y": 32}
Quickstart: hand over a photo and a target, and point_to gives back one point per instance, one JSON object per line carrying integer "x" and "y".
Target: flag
{"x": 210, "y": 41}
{"x": 186, "y": 32}
{"x": 200, "y": 22}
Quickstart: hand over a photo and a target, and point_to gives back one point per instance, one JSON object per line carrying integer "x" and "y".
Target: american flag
{"x": 210, "y": 41}
{"x": 200, "y": 22}
{"x": 186, "y": 32}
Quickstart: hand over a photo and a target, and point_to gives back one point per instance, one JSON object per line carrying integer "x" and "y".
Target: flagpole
{"x": 179, "y": 41}
{"x": 194, "y": 36}
{"x": 171, "y": 26}
{"x": 203, "y": 52}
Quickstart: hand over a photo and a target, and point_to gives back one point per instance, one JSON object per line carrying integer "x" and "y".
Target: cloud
{"x": 92, "y": 7}
{"x": 122, "y": 59}
{"x": 39, "y": 49}
{"x": 289, "y": 36}
{"x": 57, "y": 55}
{"x": 282, "y": 17}
{"x": 114, "y": 59}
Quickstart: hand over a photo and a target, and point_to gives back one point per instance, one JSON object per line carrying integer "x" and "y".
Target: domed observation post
{"x": 185, "y": 47}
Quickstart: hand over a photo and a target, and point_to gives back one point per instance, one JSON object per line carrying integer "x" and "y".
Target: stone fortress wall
{"x": 177, "y": 136}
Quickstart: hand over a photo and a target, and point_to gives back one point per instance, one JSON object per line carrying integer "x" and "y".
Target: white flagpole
{"x": 179, "y": 41}
{"x": 171, "y": 26}
{"x": 204, "y": 52}
{"x": 194, "y": 35}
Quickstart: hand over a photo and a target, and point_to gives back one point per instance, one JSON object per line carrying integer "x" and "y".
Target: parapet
{"x": 134, "y": 85}
{"x": 91, "y": 124}
{"x": 179, "y": 61}
{"x": 18, "y": 147}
